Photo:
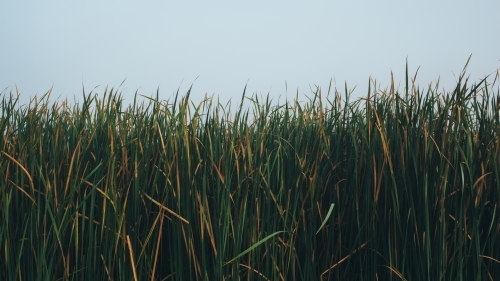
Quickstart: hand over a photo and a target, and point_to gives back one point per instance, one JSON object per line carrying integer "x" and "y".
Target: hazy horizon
{"x": 275, "y": 48}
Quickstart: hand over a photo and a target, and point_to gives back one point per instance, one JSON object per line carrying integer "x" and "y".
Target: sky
{"x": 275, "y": 48}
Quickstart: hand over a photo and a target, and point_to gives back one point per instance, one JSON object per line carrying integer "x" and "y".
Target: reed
{"x": 393, "y": 186}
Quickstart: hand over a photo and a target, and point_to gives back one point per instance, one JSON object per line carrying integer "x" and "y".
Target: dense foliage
{"x": 394, "y": 186}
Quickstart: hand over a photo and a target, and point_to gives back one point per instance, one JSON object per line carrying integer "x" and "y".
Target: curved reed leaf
{"x": 254, "y": 246}
{"x": 326, "y": 218}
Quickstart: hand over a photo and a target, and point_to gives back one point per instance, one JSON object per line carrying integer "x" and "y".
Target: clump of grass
{"x": 394, "y": 186}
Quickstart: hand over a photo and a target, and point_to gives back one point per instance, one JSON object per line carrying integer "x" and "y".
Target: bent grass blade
{"x": 327, "y": 217}
{"x": 254, "y": 246}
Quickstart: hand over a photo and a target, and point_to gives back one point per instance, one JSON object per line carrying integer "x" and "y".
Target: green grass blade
{"x": 254, "y": 246}
{"x": 327, "y": 217}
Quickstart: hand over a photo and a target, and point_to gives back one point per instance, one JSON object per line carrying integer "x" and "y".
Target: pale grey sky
{"x": 167, "y": 44}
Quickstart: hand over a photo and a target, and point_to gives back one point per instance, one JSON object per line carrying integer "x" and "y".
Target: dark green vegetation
{"x": 405, "y": 185}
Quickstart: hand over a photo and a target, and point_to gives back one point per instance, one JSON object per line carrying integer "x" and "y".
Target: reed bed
{"x": 393, "y": 186}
